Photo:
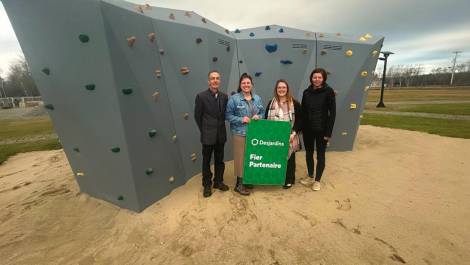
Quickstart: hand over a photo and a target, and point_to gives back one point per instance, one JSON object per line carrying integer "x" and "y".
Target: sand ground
{"x": 399, "y": 197}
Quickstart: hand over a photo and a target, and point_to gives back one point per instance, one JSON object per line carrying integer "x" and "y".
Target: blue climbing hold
{"x": 267, "y": 28}
{"x": 271, "y": 47}
{"x": 257, "y": 74}
{"x": 237, "y": 31}
{"x": 252, "y": 34}
{"x": 286, "y": 61}
{"x": 281, "y": 30}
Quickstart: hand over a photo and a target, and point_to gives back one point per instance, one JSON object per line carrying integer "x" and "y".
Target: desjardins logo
{"x": 255, "y": 142}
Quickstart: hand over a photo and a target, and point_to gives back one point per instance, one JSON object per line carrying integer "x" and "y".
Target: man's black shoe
{"x": 207, "y": 191}
{"x": 221, "y": 186}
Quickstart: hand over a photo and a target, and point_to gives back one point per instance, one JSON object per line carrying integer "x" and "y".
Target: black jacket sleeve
{"x": 198, "y": 109}
{"x": 298, "y": 117}
{"x": 267, "y": 109}
{"x": 331, "y": 113}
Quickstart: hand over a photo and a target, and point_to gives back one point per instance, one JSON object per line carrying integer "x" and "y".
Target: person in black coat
{"x": 319, "y": 113}
{"x": 209, "y": 113}
{"x": 283, "y": 107}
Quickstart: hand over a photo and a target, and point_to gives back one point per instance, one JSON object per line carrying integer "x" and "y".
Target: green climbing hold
{"x": 120, "y": 198}
{"x": 149, "y": 171}
{"x": 90, "y": 87}
{"x": 127, "y": 91}
{"x": 84, "y": 38}
{"x": 116, "y": 149}
{"x": 152, "y": 133}
{"x": 76, "y": 149}
{"x": 47, "y": 71}
{"x": 49, "y": 106}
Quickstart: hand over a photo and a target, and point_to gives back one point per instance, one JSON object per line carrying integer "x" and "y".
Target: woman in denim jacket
{"x": 242, "y": 107}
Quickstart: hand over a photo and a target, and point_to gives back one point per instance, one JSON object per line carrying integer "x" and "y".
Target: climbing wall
{"x": 119, "y": 82}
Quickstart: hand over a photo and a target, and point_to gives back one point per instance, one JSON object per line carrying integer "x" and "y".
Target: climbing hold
{"x": 361, "y": 116}
{"x": 267, "y": 28}
{"x": 161, "y": 51}
{"x": 227, "y": 49}
{"x": 184, "y": 70}
{"x": 204, "y": 20}
{"x": 286, "y": 62}
{"x": 158, "y": 73}
{"x": 338, "y": 34}
{"x": 156, "y": 95}
{"x": 139, "y": 8}
{"x": 362, "y": 39}
{"x": 349, "y": 53}
{"x": 115, "y": 149}
{"x": 237, "y": 31}
{"x": 271, "y": 48}
{"x": 151, "y": 36}
{"x": 321, "y": 35}
{"x": 149, "y": 171}
{"x": 257, "y": 74}
{"x": 120, "y": 198}
{"x": 198, "y": 40}
{"x": 227, "y": 31}
{"x": 368, "y": 36}
{"x": 49, "y": 106}
{"x": 252, "y": 34}
{"x": 375, "y": 53}
{"x": 323, "y": 52}
{"x": 215, "y": 59}
{"x": 46, "y": 71}
{"x": 90, "y": 87}
{"x": 76, "y": 149}
{"x": 188, "y": 14}
{"x": 186, "y": 116}
{"x": 80, "y": 174}
{"x": 152, "y": 133}
{"x": 83, "y": 38}
{"x": 344, "y": 133}
{"x": 171, "y": 179}
{"x": 364, "y": 73}
{"x": 366, "y": 88}
{"x": 173, "y": 138}
{"x": 131, "y": 41}
{"x": 353, "y": 106}
{"x": 304, "y": 51}
{"x": 147, "y": 6}
{"x": 172, "y": 16}
{"x": 127, "y": 91}
{"x": 240, "y": 61}
{"x": 193, "y": 157}
{"x": 281, "y": 30}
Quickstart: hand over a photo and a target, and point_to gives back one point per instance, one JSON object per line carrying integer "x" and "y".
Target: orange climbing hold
{"x": 151, "y": 36}
{"x": 131, "y": 41}
{"x": 184, "y": 70}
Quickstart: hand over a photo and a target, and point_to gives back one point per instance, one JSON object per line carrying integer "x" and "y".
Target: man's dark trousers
{"x": 219, "y": 165}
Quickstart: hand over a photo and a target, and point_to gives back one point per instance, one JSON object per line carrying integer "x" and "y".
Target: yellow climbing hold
{"x": 375, "y": 53}
{"x": 158, "y": 73}
{"x": 344, "y": 133}
{"x": 349, "y": 53}
{"x": 368, "y": 36}
{"x": 171, "y": 179}
{"x": 155, "y": 95}
{"x": 131, "y": 41}
{"x": 364, "y": 73}
{"x": 184, "y": 70}
{"x": 186, "y": 116}
{"x": 353, "y": 106}
{"x": 151, "y": 36}
{"x": 193, "y": 157}
{"x": 80, "y": 174}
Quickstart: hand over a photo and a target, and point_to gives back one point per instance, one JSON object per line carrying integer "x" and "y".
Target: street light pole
{"x": 381, "y": 102}
{"x": 3, "y": 88}
{"x": 453, "y": 67}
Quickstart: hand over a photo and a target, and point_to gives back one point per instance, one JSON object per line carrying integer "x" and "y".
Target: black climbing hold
{"x": 267, "y": 28}
{"x": 252, "y": 34}
{"x": 228, "y": 48}
{"x": 127, "y": 91}
{"x": 286, "y": 61}
{"x": 240, "y": 61}
{"x": 149, "y": 171}
{"x": 215, "y": 59}
{"x": 120, "y": 198}
{"x": 90, "y": 87}
{"x": 84, "y": 38}
{"x": 257, "y": 74}
{"x": 198, "y": 40}
{"x": 281, "y": 30}
{"x": 76, "y": 149}
{"x": 47, "y": 71}
{"x": 49, "y": 106}
{"x": 116, "y": 149}
{"x": 237, "y": 31}
{"x": 271, "y": 48}
{"x": 152, "y": 133}
{"x": 204, "y": 20}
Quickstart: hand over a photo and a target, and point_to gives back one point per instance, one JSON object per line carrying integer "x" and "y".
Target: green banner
{"x": 267, "y": 146}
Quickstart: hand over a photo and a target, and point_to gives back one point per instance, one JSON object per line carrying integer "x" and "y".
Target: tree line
{"x": 18, "y": 82}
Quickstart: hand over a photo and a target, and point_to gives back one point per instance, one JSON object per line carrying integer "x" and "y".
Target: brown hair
{"x": 321, "y": 71}
{"x": 243, "y": 76}
{"x": 213, "y": 71}
{"x": 289, "y": 96}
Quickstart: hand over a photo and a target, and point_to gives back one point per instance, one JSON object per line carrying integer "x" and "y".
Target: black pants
{"x": 219, "y": 165}
{"x": 290, "y": 173}
{"x": 311, "y": 140}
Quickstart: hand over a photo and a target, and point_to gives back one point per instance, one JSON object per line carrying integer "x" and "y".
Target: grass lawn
{"x": 450, "y": 109}
{"x": 451, "y": 128}
{"x": 8, "y": 150}
{"x": 391, "y": 95}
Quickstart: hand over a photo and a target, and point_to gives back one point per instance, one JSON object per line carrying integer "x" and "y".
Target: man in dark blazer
{"x": 209, "y": 113}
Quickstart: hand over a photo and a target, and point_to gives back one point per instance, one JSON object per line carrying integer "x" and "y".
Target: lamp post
{"x": 381, "y": 102}
{"x": 3, "y": 88}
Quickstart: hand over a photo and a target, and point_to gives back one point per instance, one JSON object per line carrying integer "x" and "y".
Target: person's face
{"x": 246, "y": 85}
{"x": 214, "y": 81}
{"x": 317, "y": 80}
{"x": 281, "y": 89}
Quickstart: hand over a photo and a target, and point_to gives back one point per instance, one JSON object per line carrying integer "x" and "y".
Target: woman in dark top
{"x": 283, "y": 107}
{"x": 319, "y": 113}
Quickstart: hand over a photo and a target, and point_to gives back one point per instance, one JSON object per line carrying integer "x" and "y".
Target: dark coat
{"x": 298, "y": 115}
{"x": 209, "y": 113}
{"x": 319, "y": 110}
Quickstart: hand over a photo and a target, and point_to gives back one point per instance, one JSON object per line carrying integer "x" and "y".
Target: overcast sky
{"x": 422, "y": 32}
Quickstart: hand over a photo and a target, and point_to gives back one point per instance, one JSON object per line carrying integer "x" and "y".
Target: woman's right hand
{"x": 246, "y": 119}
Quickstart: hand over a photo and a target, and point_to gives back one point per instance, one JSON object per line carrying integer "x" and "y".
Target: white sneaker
{"x": 316, "y": 186}
{"x": 307, "y": 181}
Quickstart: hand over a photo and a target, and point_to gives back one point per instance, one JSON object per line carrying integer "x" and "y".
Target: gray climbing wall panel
{"x": 119, "y": 82}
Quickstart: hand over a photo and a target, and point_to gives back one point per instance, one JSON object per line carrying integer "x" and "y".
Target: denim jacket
{"x": 237, "y": 108}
